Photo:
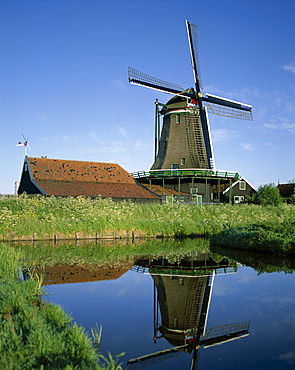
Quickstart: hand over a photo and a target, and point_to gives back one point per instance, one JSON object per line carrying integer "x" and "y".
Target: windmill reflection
{"x": 182, "y": 296}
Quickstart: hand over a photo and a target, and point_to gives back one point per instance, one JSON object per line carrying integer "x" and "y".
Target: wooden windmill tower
{"x": 185, "y": 140}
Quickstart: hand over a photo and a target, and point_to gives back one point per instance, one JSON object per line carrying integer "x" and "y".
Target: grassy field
{"x": 243, "y": 225}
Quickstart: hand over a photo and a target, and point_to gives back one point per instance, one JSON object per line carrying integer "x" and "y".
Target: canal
{"x": 195, "y": 311}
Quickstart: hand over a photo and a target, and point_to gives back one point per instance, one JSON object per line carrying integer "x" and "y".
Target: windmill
{"x": 25, "y": 144}
{"x": 185, "y": 140}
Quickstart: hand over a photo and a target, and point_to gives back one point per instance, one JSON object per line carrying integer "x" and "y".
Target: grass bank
{"x": 268, "y": 228}
{"x": 34, "y": 334}
{"x": 275, "y": 236}
{"x": 40, "y": 217}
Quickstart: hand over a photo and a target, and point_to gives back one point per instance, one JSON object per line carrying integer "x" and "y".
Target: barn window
{"x": 182, "y": 161}
{"x": 242, "y": 185}
{"x": 236, "y": 199}
{"x": 239, "y": 199}
{"x": 177, "y": 119}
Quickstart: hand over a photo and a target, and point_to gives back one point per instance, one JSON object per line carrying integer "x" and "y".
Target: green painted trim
{"x": 198, "y": 173}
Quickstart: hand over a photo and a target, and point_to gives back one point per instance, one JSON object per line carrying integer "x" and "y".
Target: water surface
{"x": 173, "y": 301}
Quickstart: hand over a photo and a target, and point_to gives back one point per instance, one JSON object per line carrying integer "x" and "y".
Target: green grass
{"x": 277, "y": 237}
{"x": 42, "y": 218}
{"x": 24, "y": 216}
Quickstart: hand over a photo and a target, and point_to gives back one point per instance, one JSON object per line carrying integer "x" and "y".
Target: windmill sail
{"x": 192, "y": 32}
{"x": 154, "y": 358}
{"x": 227, "y": 108}
{"x": 224, "y": 333}
{"x": 138, "y": 78}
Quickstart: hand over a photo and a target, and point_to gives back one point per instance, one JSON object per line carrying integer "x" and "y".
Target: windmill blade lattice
{"x": 227, "y": 108}
{"x": 138, "y": 78}
{"x": 193, "y": 32}
{"x": 224, "y": 333}
{"x": 224, "y": 111}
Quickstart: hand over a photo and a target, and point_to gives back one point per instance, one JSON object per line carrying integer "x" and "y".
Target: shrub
{"x": 268, "y": 194}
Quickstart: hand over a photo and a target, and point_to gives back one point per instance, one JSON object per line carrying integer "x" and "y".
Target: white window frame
{"x": 242, "y": 185}
{"x": 238, "y": 199}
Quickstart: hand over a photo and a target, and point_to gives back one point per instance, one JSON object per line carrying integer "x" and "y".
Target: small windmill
{"x": 25, "y": 144}
{"x": 185, "y": 140}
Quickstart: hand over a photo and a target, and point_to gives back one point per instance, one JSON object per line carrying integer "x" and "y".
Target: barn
{"x": 286, "y": 190}
{"x": 73, "y": 178}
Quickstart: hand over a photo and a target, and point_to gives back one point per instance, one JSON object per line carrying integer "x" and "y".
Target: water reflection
{"x": 182, "y": 296}
{"x": 101, "y": 285}
{"x": 71, "y": 274}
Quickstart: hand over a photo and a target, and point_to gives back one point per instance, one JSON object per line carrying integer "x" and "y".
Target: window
{"x": 177, "y": 119}
{"x": 182, "y": 161}
{"x": 238, "y": 199}
{"x": 242, "y": 185}
{"x": 174, "y": 166}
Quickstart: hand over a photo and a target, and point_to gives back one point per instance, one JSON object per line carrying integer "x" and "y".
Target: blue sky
{"x": 63, "y": 79}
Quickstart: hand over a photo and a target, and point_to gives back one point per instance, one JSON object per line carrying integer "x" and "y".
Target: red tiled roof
{"x": 44, "y": 168}
{"x": 93, "y": 189}
{"x": 72, "y": 178}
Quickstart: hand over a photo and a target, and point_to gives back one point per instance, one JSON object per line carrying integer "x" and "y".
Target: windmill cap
{"x": 180, "y": 101}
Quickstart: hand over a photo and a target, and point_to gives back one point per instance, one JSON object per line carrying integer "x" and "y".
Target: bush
{"x": 290, "y": 200}
{"x": 268, "y": 194}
